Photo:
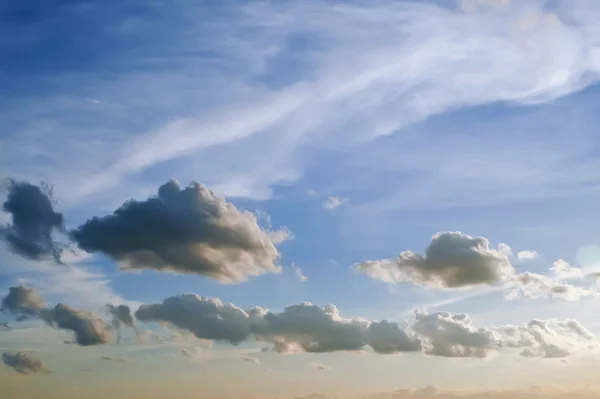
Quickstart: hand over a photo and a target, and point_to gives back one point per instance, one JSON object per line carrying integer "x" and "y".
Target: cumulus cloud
{"x": 187, "y": 230}
{"x": 453, "y": 335}
{"x": 33, "y": 221}
{"x": 452, "y": 260}
{"x": 548, "y": 338}
{"x": 562, "y": 269}
{"x": 298, "y": 328}
{"x": 23, "y": 362}
{"x": 88, "y": 328}
{"x": 25, "y": 303}
{"x": 536, "y": 286}
{"x": 334, "y": 202}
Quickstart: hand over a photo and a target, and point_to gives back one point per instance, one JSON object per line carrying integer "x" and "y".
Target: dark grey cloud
{"x": 452, "y": 260}
{"x": 298, "y": 328}
{"x": 33, "y": 221}
{"x": 23, "y": 362}
{"x": 121, "y": 316}
{"x": 187, "y": 230}
{"x": 25, "y": 303}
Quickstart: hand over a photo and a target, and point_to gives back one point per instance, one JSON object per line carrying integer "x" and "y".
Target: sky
{"x": 299, "y": 199}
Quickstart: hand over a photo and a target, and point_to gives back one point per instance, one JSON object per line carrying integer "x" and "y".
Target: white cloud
{"x": 299, "y": 273}
{"x": 417, "y": 60}
{"x": 527, "y": 255}
{"x": 334, "y": 202}
{"x": 536, "y": 286}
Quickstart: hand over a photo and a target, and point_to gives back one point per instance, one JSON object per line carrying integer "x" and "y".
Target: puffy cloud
{"x": 207, "y": 318}
{"x": 23, "y": 362}
{"x": 187, "y": 230}
{"x": 452, "y": 260}
{"x": 298, "y": 328}
{"x": 453, "y": 335}
{"x": 388, "y": 337}
{"x": 548, "y": 338}
{"x": 24, "y": 303}
{"x": 309, "y": 328}
{"x": 88, "y": 329}
{"x": 33, "y": 221}
{"x": 562, "y": 269}
{"x": 334, "y": 202}
{"x": 536, "y": 286}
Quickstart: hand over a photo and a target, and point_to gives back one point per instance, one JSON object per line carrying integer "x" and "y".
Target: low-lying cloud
{"x": 310, "y": 328}
{"x": 25, "y": 303}
{"x": 23, "y": 362}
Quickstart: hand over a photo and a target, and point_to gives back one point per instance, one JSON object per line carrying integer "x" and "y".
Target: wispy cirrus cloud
{"x": 417, "y": 59}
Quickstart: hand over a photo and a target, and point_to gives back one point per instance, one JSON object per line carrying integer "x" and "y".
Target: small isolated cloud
{"x": 33, "y": 221}
{"x": 299, "y": 273}
{"x": 117, "y": 359}
{"x": 334, "y": 202}
{"x": 527, "y": 255}
{"x": 187, "y": 230}
{"x": 452, "y": 260}
{"x": 250, "y": 359}
{"x": 320, "y": 366}
{"x": 24, "y": 303}
{"x": 23, "y": 362}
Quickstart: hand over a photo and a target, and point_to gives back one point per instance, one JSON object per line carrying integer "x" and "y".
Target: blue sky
{"x": 362, "y": 127}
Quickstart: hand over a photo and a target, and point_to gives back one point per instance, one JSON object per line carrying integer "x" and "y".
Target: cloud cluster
{"x": 452, "y": 260}
{"x": 23, "y": 362}
{"x": 33, "y": 221}
{"x": 455, "y": 261}
{"x": 548, "y": 338}
{"x": 536, "y": 286}
{"x": 187, "y": 230}
{"x": 25, "y": 303}
{"x": 184, "y": 230}
{"x": 298, "y": 328}
{"x": 310, "y": 328}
